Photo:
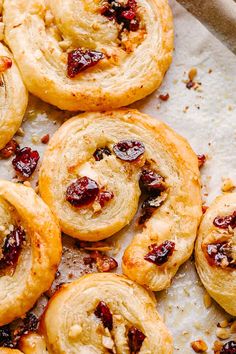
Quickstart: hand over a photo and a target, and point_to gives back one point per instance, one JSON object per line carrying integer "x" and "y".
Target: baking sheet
{"x": 206, "y": 117}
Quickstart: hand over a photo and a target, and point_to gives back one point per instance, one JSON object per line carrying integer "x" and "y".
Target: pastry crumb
{"x": 75, "y": 331}
{"x": 199, "y": 346}
{"x": 223, "y": 333}
{"x": 217, "y": 346}
{"x": 192, "y": 74}
{"x": 207, "y": 300}
{"x": 227, "y": 185}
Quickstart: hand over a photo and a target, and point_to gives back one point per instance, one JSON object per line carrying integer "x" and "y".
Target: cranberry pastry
{"x": 94, "y": 171}
{"x": 13, "y": 100}
{"x": 90, "y": 55}
{"x": 30, "y": 249}
{"x": 104, "y": 313}
{"x": 215, "y": 251}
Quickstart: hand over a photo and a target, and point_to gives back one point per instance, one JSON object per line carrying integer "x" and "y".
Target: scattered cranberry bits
{"x": 12, "y": 247}
{"x": 160, "y": 254}
{"x": 26, "y": 161}
{"x": 125, "y": 14}
{"x": 80, "y": 60}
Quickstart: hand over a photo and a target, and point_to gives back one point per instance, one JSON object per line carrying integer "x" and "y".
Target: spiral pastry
{"x": 92, "y": 175}
{"x": 13, "y": 97}
{"x": 104, "y": 313}
{"x": 33, "y": 343}
{"x": 90, "y": 55}
{"x": 10, "y": 351}
{"x": 215, "y": 251}
{"x": 30, "y": 249}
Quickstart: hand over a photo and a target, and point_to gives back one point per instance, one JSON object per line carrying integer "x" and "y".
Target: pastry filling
{"x": 160, "y": 254}
{"x": 25, "y": 162}
{"x": 99, "y": 153}
{"x": 84, "y": 191}
{"x": 135, "y": 340}
{"x": 12, "y": 247}
{"x": 129, "y": 150}
{"x": 221, "y": 254}
{"x": 223, "y": 222}
{"x": 122, "y": 12}
{"x": 229, "y": 348}
{"x": 103, "y": 313}
{"x": 80, "y": 60}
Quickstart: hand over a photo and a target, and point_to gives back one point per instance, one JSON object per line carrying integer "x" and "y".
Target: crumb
{"x": 204, "y": 208}
{"x": 199, "y": 346}
{"x": 223, "y": 333}
{"x": 207, "y": 300}
{"x": 20, "y": 132}
{"x": 227, "y": 185}
{"x": 230, "y": 108}
{"x": 201, "y": 160}
{"x": 45, "y": 139}
{"x": 223, "y": 324}
{"x": 164, "y": 97}
{"x": 185, "y": 109}
{"x": 210, "y": 71}
{"x": 27, "y": 184}
{"x": 192, "y": 74}
{"x": 217, "y": 346}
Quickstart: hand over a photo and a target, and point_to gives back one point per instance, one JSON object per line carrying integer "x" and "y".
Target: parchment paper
{"x": 206, "y": 117}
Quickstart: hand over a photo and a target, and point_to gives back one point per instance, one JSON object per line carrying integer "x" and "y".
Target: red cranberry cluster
{"x": 160, "y": 254}
{"x": 80, "y": 60}
{"x": 220, "y": 254}
{"x": 223, "y": 222}
{"x": 84, "y": 191}
{"x": 26, "y": 161}
{"x": 125, "y": 15}
{"x": 12, "y": 247}
{"x": 135, "y": 340}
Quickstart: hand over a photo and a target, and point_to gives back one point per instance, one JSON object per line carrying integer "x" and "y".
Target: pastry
{"x": 104, "y": 313}
{"x": 215, "y": 251}
{"x": 13, "y": 97}
{"x": 10, "y": 351}
{"x": 33, "y": 343}
{"x": 92, "y": 175}
{"x": 30, "y": 249}
{"x": 90, "y": 55}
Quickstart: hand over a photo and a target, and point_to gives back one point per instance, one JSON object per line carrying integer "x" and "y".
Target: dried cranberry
{"x": 103, "y": 312}
{"x": 152, "y": 181}
{"x": 12, "y": 247}
{"x": 128, "y": 15}
{"x": 82, "y": 192}
{"x": 135, "y": 339}
{"x": 10, "y": 149}
{"x": 134, "y": 25}
{"x": 45, "y": 139}
{"x": 80, "y": 60}
{"x": 160, "y": 254}
{"x": 229, "y": 348}
{"x": 26, "y": 161}
{"x": 220, "y": 254}
{"x": 99, "y": 153}
{"x": 190, "y": 84}
{"x": 150, "y": 204}
{"x": 129, "y": 150}
{"x": 164, "y": 97}
{"x": 6, "y": 337}
{"x": 104, "y": 197}
{"x": 223, "y": 222}
{"x": 201, "y": 160}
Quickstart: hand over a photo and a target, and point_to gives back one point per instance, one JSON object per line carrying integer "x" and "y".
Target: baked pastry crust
{"x": 41, "y": 33}
{"x": 9, "y": 351}
{"x": 13, "y": 99}
{"x": 33, "y": 343}
{"x": 70, "y": 154}
{"x": 74, "y": 304}
{"x": 220, "y": 282}
{"x": 37, "y": 264}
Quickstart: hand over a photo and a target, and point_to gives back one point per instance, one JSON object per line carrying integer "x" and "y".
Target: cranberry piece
{"x": 10, "y": 149}
{"x": 12, "y": 247}
{"x": 99, "y": 153}
{"x": 152, "y": 181}
{"x": 164, "y": 97}
{"x": 223, "y": 222}
{"x": 220, "y": 254}
{"x": 104, "y": 197}
{"x": 160, "y": 254}
{"x": 82, "y": 192}
{"x": 103, "y": 312}
{"x": 229, "y": 348}
{"x": 134, "y": 25}
{"x": 128, "y": 15}
{"x": 190, "y": 84}
{"x": 5, "y": 63}
{"x": 201, "y": 160}
{"x": 80, "y": 60}
{"x": 45, "y": 139}
{"x": 26, "y": 161}
{"x": 129, "y": 150}
{"x": 135, "y": 340}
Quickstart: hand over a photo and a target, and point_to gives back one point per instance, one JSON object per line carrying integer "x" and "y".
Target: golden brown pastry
{"x": 13, "y": 97}
{"x": 92, "y": 175}
{"x": 215, "y": 251}
{"x": 30, "y": 249}
{"x": 104, "y": 313}
{"x": 10, "y": 351}
{"x": 33, "y": 343}
{"x": 90, "y": 55}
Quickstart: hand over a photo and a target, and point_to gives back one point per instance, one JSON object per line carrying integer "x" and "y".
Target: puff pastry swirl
{"x": 126, "y": 65}
{"x": 28, "y": 235}
{"x": 215, "y": 251}
{"x": 104, "y": 313}
{"x": 13, "y": 97}
{"x": 114, "y": 151}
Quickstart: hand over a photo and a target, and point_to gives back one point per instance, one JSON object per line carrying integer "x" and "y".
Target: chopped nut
{"x": 199, "y": 346}
{"x": 223, "y": 333}
{"x": 228, "y": 185}
{"x": 5, "y": 63}
{"x": 223, "y": 324}
{"x": 75, "y": 331}
{"x": 207, "y": 300}
{"x": 192, "y": 74}
{"x": 217, "y": 347}
{"x": 35, "y": 139}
